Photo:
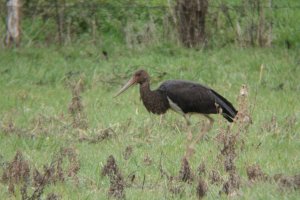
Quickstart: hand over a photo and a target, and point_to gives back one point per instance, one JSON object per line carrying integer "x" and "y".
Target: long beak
{"x": 126, "y": 86}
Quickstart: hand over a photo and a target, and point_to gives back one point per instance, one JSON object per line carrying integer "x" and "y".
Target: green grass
{"x": 32, "y": 85}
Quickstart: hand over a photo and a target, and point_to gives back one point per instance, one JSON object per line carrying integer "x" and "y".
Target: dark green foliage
{"x": 136, "y": 23}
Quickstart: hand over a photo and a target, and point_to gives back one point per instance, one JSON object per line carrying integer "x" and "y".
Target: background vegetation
{"x": 59, "y": 122}
{"x": 135, "y": 22}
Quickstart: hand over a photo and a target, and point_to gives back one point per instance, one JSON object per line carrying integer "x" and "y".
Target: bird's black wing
{"x": 196, "y": 98}
{"x": 190, "y": 97}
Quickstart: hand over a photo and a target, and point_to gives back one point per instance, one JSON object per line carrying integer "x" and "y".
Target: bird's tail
{"x": 228, "y": 111}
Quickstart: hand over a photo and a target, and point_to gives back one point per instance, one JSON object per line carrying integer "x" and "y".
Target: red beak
{"x": 131, "y": 82}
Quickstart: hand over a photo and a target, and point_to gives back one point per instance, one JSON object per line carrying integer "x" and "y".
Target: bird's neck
{"x": 154, "y": 101}
{"x": 147, "y": 95}
{"x": 145, "y": 90}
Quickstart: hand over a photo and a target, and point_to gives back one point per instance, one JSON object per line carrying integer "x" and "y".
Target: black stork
{"x": 184, "y": 97}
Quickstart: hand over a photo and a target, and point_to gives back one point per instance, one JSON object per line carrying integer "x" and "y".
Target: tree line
{"x": 192, "y": 23}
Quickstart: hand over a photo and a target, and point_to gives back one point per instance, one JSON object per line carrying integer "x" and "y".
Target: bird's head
{"x": 139, "y": 77}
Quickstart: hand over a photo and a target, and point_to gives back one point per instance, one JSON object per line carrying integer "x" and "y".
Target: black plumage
{"x": 196, "y": 98}
{"x": 182, "y": 96}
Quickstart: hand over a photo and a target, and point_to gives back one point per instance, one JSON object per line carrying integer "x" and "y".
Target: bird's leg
{"x": 189, "y": 131}
{"x": 187, "y": 119}
{"x": 161, "y": 119}
{"x": 189, "y": 148}
{"x": 210, "y": 124}
{"x": 205, "y": 129}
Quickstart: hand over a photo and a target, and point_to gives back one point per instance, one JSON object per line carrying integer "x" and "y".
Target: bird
{"x": 182, "y": 96}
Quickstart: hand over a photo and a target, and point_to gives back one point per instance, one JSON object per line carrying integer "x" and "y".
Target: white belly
{"x": 175, "y": 107}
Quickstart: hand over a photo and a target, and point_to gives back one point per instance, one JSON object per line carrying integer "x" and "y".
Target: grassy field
{"x": 38, "y": 119}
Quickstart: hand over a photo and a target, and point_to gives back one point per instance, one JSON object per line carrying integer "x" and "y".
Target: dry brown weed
{"x": 75, "y": 82}
{"x": 185, "y": 173}
{"x": 215, "y": 177}
{"x": 127, "y": 153}
{"x": 117, "y": 183}
{"x": 201, "y": 189}
{"x": 255, "y": 173}
{"x": 17, "y": 172}
{"x": 232, "y": 185}
{"x": 285, "y": 181}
